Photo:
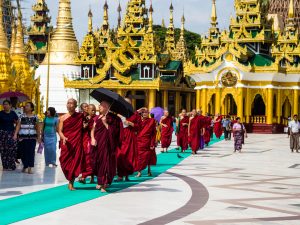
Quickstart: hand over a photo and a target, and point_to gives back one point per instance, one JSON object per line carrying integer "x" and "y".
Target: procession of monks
{"x": 110, "y": 145}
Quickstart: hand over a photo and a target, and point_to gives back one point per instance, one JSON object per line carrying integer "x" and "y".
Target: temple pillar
{"x": 177, "y": 103}
{"x": 226, "y": 105}
{"x": 240, "y": 105}
{"x": 279, "y": 106}
{"x": 198, "y": 99}
{"x": 218, "y": 101}
{"x": 269, "y": 106}
{"x": 248, "y": 105}
{"x": 165, "y": 99}
{"x": 204, "y": 100}
{"x": 151, "y": 99}
{"x": 120, "y": 92}
{"x": 296, "y": 102}
{"x": 188, "y": 101}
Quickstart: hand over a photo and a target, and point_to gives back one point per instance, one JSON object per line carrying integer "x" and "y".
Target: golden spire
{"x": 170, "y": 37}
{"x": 105, "y": 14}
{"x": 19, "y": 48}
{"x": 182, "y": 25}
{"x": 163, "y": 24}
{"x": 90, "y": 23}
{"x": 151, "y": 18}
{"x": 291, "y": 10}
{"x": 119, "y": 14}
{"x": 63, "y": 45}
{"x": 214, "y": 17}
{"x": 3, "y": 38}
{"x": 13, "y": 36}
{"x": 171, "y": 25}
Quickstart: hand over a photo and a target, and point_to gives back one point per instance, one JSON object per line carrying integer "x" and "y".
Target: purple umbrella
{"x": 21, "y": 97}
{"x": 158, "y": 113}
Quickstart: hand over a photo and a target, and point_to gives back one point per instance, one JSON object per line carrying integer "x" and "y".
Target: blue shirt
{"x": 8, "y": 120}
{"x": 226, "y": 123}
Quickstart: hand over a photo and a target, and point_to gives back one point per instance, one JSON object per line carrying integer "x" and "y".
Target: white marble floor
{"x": 216, "y": 187}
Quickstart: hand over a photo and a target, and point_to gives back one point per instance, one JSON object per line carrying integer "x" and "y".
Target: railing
{"x": 258, "y": 119}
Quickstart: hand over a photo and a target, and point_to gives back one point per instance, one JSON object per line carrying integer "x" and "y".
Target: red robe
{"x": 145, "y": 140}
{"x": 104, "y": 154}
{"x": 127, "y": 153}
{"x": 218, "y": 127}
{"x": 194, "y": 138}
{"x": 166, "y": 132}
{"x": 71, "y": 156}
{"x": 182, "y": 135}
{"x": 87, "y": 168}
{"x": 207, "y": 130}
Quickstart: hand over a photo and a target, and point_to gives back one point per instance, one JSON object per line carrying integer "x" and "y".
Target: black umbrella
{"x": 118, "y": 103}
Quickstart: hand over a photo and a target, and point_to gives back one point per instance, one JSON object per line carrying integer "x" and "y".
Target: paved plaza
{"x": 216, "y": 187}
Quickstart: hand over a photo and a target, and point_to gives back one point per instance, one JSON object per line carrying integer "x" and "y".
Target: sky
{"x": 197, "y": 13}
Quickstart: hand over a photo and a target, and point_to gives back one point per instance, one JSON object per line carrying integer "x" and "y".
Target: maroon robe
{"x": 71, "y": 156}
{"x": 218, "y": 127}
{"x": 104, "y": 154}
{"x": 166, "y": 132}
{"x": 182, "y": 135}
{"x": 207, "y": 130}
{"x": 87, "y": 167}
{"x": 145, "y": 140}
{"x": 127, "y": 153}
{"x": 195, "y": 133}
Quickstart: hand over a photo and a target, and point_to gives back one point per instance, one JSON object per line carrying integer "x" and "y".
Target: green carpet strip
{"x": 41, "y": 202}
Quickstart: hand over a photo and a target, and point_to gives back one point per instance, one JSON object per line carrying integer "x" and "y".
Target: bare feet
{"x": 149, "y": 174}
{"x": 127, "y": 178}
{"x": 101, "y": 188}
{"x": 82, "y": 180}
{"x": 120, "y": 179}
{"x": 30, "y": 170}
{"x": 92, "y": 180}
{"x": 71, "y": 186}
{"x": 139, "y": 174}
{"x": 25, "y": 170}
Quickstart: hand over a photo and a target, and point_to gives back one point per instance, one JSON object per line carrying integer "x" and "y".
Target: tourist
{"x": 218, "y": 126}
{"x": 167, "y": 129}
{"x": 226, "y": 124}
{"x": 240, "y": 133}
{"x": 146, "y": 144}
{"x": 194, "y": 132}
{"x": 70, "y": 131}
{"x": 8, "y": 141}
{"x": 294, "y": 127}
{"x": 182, "y": 131}
{"x": 89, "y": 114}
{"x": 105, "y": 137}
{"x": 49, "y": 137}
{"x": 28, "y": 130}
{"x": 127, "y": 153}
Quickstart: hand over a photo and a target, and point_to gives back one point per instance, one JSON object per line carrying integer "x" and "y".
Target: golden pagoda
{"x": 251, "y": 70}
{"x": 132, "y": 62}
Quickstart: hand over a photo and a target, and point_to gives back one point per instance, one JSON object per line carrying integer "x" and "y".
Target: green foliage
{"x": 192, "y": 39}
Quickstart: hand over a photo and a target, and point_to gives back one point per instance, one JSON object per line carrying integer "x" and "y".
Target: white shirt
{"x": 294, "y": 126}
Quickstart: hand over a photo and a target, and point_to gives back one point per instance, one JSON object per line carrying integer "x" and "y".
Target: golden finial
{"x": 214, "y": 17}
{"x": 19, "y": 48}
{"x": 3, "y": 38}
{"x": 105, "y": 14}
{"x": 182, "y": 24}
{"x": 13, "y": 36}
{"x": 119, "y": 14}
{"x": 163, "y": 24}
{"x": 90, "y": 23}
{"x": 171, "y": 25}
{"x": 291, "y": 10}
{"x": 151, "y": 17}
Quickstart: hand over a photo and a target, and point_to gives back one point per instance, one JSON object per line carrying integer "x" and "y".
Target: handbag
{"x": 40, "y": 148}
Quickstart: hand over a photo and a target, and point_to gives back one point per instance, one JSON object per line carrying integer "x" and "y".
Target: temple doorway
{"x": 258, "y": 106}
{"x": 229, "y": 105}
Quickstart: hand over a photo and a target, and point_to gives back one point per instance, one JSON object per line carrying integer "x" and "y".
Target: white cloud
{"x": 197, "y": 13}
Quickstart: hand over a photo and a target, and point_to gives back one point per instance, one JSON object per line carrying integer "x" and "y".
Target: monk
{"x": 207, "y": 134}
{"x": 218, "y": 130}
{"x": 70, "y": 131}
{"x": 88, "y": 122}
{"x": 182, "y": 131}
{"x": 105, "y": 140}
{"x": 202, "y": 128}
{"x": 194, "y": 132}
{"x": 167, "y": 129}
{"x": 146, "y": 144}
{"x": 127, "y": 153}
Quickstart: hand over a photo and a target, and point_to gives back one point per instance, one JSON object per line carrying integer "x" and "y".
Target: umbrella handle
{"x": 110, "y": 107}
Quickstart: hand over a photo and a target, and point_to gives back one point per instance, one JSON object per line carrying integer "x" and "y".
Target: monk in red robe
{"x": 88, "y": 122}
{"x": 202, "y": 128}
{"x": 182, "y": 131}
{"x": 105, "y": 140}
{"x": 167, "y": 129}
{"x": 146, "y": 144}
{"x": 207, "y": 133}
{"x": 194, "y": 132}
{"x": 218, "y": 130}
{"x": 127, "y": 153}
{"x": 70, "y": 132}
